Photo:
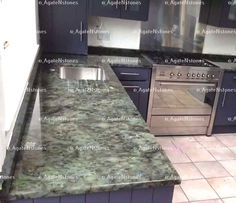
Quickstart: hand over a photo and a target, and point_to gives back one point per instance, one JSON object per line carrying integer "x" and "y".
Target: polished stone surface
{"x": 85, "y": 136}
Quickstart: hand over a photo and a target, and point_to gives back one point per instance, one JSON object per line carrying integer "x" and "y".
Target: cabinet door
{"x": 228, "y": 17}
{"x": 66, "y": 27}
{"x": 226, "y": 112}
{"x": 138, "y": 10}
{"x": 139, "y": 94}
{"x": 104, "y": 8}
{"x": 205, "y": 10}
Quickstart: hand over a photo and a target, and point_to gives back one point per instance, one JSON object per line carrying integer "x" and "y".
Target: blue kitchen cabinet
{"x": 104, "y": 8}
{"x": 63, "y": 27}
{"x": 137, "y": 11}
{"x": 225, "y": 120}
{"x": 220, "y": 13}
{"x": 125, "y": 9}
{"x": 136, "y": 82}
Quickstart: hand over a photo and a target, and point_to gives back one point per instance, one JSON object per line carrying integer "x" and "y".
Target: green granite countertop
{"x": 85, "y": 136}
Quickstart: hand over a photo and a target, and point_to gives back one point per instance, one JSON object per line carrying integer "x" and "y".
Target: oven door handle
{"x": 187, "y": 84}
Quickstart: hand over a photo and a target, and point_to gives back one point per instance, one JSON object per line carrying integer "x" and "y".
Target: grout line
{"x": 226, "y": 168}
{"x": 184, "y": 193}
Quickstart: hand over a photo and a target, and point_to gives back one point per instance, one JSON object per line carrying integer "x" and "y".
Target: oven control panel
{"x": 188, "y": 74}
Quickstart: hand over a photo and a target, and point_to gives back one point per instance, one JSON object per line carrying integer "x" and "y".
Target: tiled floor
{"x": 207, "y": 166}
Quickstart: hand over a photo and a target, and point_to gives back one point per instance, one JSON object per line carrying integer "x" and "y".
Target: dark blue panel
{"x": 132, "y": 74}
{"x": 139, "y": 94}
{"x": 97, "y": 198}
{"x": 98, "y": 8}
{"x": 142, "y": 196}
{"x": 63, "y": 34}
{"x": 73, "y": 199}
{"x": 21, "y": 201}
{"x": 48, "y": 200}
{"x": 226, "y": 110}
{"x": 120, "y": 196}
{"x": 163, "y": 194}
{"x": 136, "y": 12}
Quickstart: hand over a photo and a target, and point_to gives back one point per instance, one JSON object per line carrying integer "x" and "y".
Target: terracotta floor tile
{"x": 188, "y": 171}
{"x": 184, "y": 138}
{"x": 228, "y": 140}
{"x": 166, "y": 143}
{"x": 199, "y": 155}
{"x": 185, "y": 145}
{"x": 225, "y": 187}
{"x": 212, "y": 169}
{"x": 233, "y": 149}
{"x": 230, "y": 200}
{"x": 212, "y": 144}
{"x": 177, "y": 156}
{"x": 221, "y": 154}
{"x": 205, "y": 138}
{"x": 179, "y": 195}
{"x": 197, "y": 190}
{"x": 210, "y": 201}
{"x": 230, "y": 166}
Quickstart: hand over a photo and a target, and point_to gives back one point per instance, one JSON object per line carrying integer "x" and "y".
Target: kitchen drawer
{"x": 132, "y": 74}
{"x": 179, "y": 121}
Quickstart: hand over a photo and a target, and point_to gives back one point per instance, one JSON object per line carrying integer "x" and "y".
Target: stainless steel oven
{"x": 183, "y": 99}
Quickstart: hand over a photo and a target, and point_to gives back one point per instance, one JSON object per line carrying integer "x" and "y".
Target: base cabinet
{"x": 150, "y": 195}
{"x": 225, "y": 120}
{"x": 136, "y": 82}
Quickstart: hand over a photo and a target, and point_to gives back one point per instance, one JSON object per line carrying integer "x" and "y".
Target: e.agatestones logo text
{"x": 58, "y": 2}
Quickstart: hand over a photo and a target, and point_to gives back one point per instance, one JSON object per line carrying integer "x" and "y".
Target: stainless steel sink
{"x": 83, "y": 73}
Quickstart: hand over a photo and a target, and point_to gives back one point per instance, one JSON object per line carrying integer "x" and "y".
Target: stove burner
{"x": 179, "y": 60}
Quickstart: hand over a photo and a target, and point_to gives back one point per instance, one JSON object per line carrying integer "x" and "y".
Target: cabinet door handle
{"x": 126, "y": 5}
{"x": 131, "y": 74}
{"x": 223, "y": 102}
{"x": 81, "y": 31}
{"x": 117, "y": 2}
{"x": 132, "y": 87}
{"x": 6, "y": 44}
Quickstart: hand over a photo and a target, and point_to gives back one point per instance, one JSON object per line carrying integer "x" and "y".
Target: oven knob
{"x": 208, "y": 76}
{"x": 172, "y": 74}
{"x": 198, "y": 75}
{"x": 213, "y": 76}
{"x": 193, "y": 75}
{"x": 179, "y": 74}
{"x": 188, "y": 75}
{"x": 203, "y": 75}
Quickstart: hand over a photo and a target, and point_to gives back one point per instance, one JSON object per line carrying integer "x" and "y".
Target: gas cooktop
{"x": 173, "y": 59}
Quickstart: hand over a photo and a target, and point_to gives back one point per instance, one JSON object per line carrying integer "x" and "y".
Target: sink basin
{"x": 83, "y": 73}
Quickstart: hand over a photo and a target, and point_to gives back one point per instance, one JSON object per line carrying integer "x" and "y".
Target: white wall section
{"x": 220, "y": 41}
{"x": 114, "y": 33}
{"x": 18, "y": 28}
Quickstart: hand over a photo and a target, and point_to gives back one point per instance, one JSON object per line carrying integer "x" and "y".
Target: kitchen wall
{"x": 172, "y": 27}
{"x": 16, "y": 60}
{"x": 2, "y": 135}
{"x": 114, "y": 33}
{"x": 220, "y": 41}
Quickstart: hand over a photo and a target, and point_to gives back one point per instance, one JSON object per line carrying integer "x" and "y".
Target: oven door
{"x": 182, "y": 107}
